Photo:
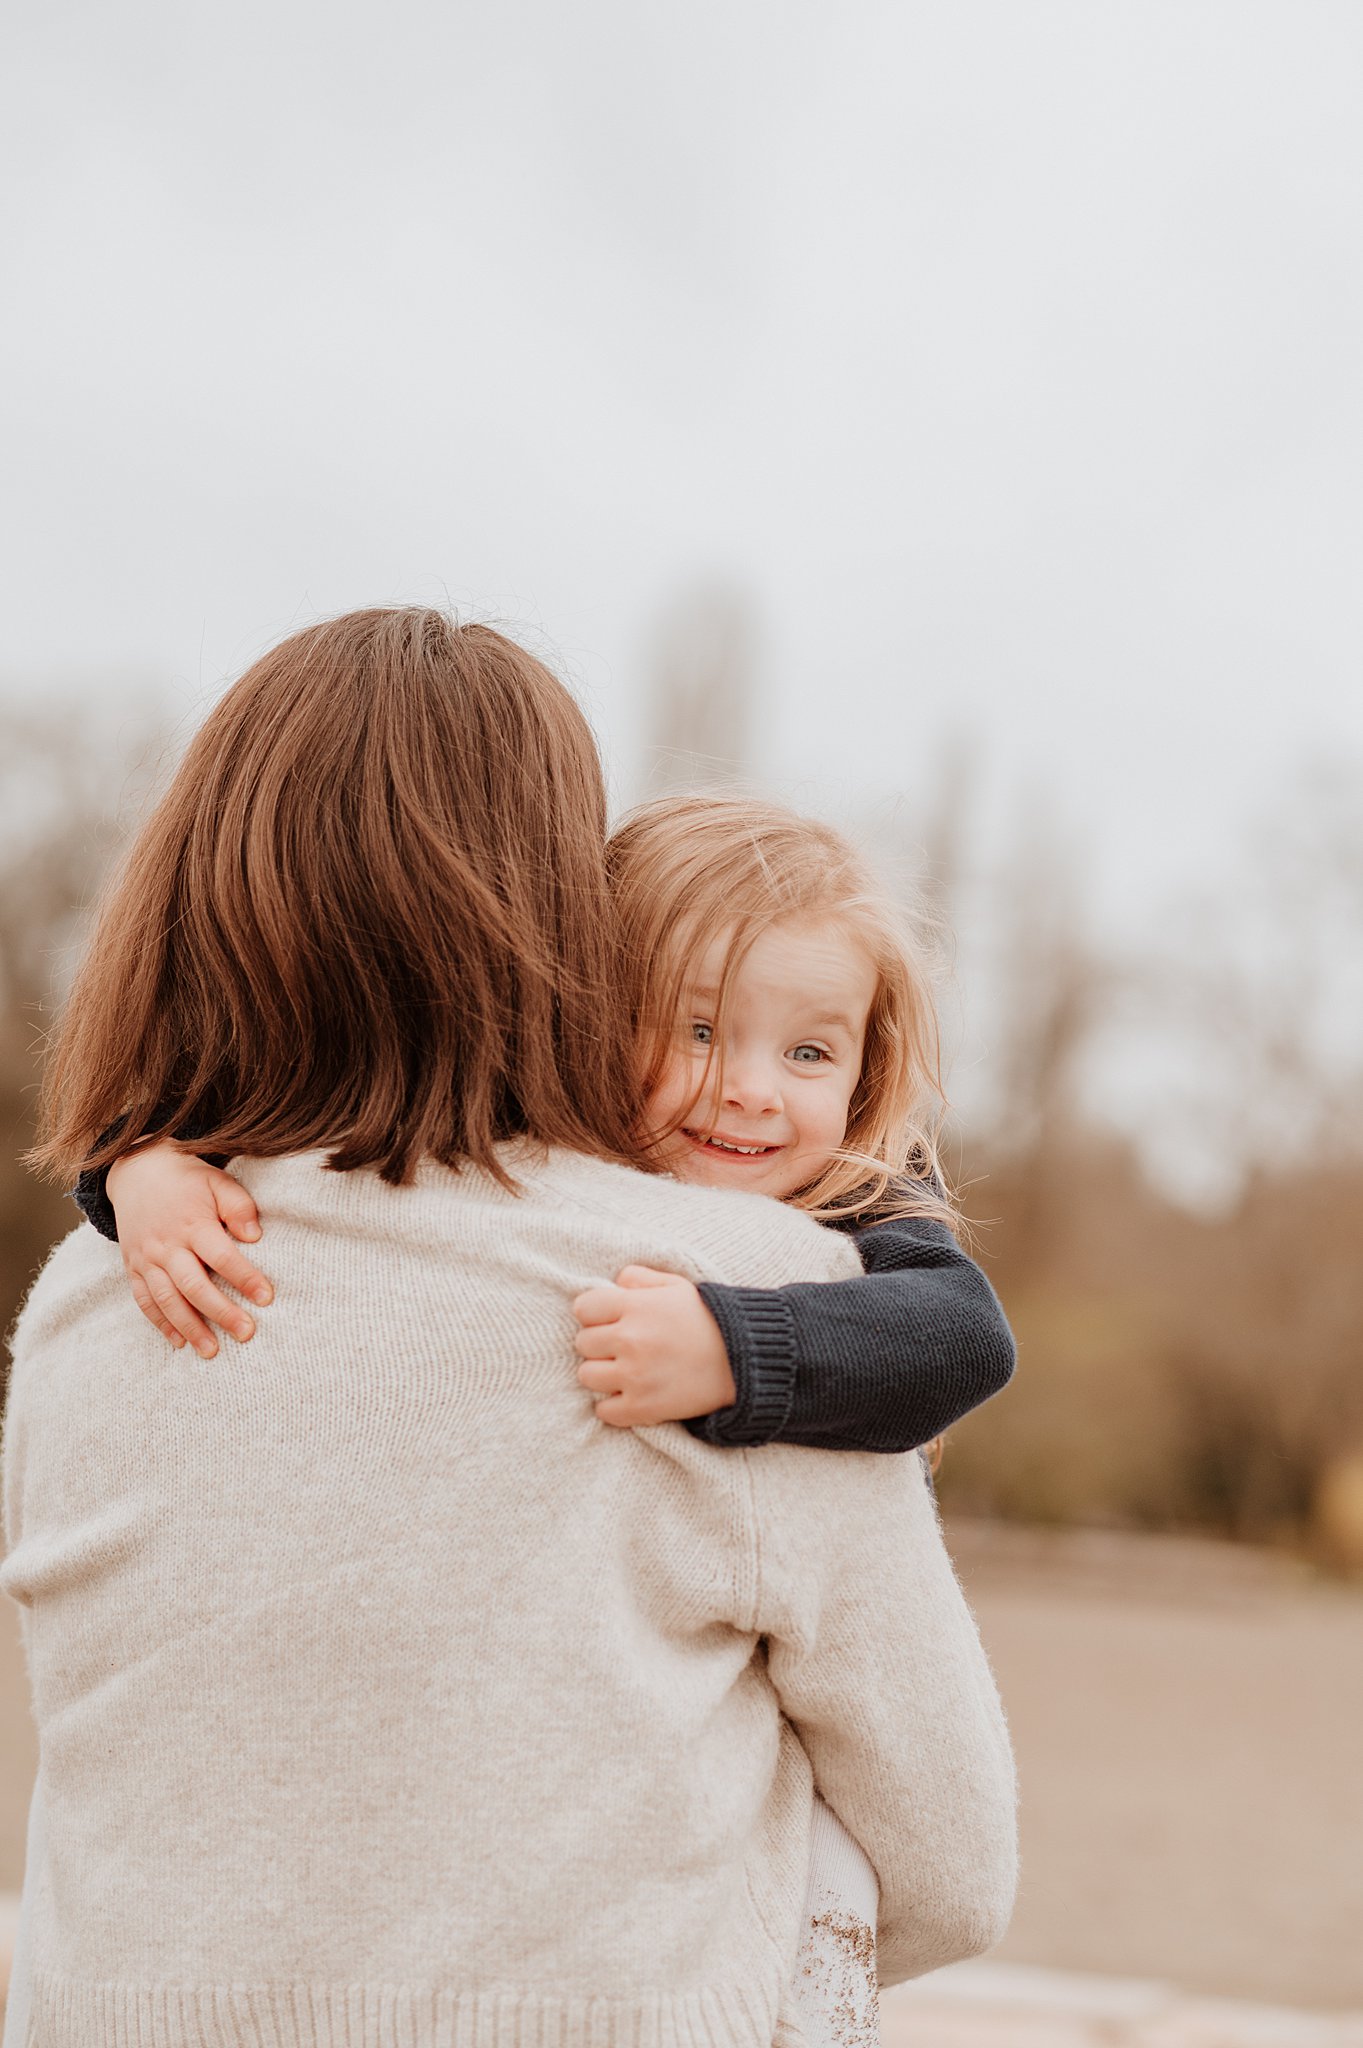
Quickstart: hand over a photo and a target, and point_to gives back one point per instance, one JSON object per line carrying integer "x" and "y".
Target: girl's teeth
{"x": 748, "y": 1151}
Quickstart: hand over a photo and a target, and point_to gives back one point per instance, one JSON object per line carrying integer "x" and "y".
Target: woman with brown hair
{"x": 384, "y": 1696}
{"x": 370, "y": 914}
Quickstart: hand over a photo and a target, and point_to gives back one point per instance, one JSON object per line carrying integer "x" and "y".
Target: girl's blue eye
{"x": 816, "y": 1053}
{"x": 703, "y": 1034}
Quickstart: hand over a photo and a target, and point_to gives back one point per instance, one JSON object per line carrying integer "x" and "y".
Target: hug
{"x": 535, "y": 1629}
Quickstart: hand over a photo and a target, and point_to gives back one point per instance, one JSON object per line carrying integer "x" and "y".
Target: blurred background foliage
{"x": 1190, "y": 1340}
{"x": 1190, "y": 1348}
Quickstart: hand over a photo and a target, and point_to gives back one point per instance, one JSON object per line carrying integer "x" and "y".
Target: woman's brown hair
{"x": 685, "y": 868}
{"x": 369, "y": 914}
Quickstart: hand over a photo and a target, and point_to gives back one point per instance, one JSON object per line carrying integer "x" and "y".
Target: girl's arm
{"x": 881, "y": 1363}
{"x": 178, "y": 1221}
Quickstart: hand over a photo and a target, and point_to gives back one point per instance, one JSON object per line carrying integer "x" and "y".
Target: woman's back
{"x": 383, "y": 1691}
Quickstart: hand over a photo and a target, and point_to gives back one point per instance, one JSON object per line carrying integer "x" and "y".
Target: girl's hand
{"x": 174, "y": 1214}
{"x": 651, "y": 1350}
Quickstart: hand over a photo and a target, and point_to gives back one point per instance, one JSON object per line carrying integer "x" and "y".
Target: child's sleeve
{"x": 91, "y": 1197}
{"x": 880, "y": 1363}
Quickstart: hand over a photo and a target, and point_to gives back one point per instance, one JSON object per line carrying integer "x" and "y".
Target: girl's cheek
{"x": 675, "y": 1092}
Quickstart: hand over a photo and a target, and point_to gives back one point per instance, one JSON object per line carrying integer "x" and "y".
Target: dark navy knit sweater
{"x": 882, "y": 1363}
{"x": 877, "y": 1364}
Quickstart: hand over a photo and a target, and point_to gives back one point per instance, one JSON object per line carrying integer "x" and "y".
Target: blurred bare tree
{"x": 1181, "y": 1367}
{"x": 65, "y": 778}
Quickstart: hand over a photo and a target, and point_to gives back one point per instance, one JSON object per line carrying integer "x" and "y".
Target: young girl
{"x": 788, "y": 1046}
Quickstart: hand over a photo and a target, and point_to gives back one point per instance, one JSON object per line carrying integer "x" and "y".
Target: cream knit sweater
{"x": 387, "y": 1699}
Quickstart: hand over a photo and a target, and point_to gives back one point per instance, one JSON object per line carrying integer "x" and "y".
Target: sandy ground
{"x": 1001, "y": 2005}
{"x": 1187, "y": 1724}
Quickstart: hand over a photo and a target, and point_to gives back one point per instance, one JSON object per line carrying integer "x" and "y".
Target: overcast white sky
{"x": 1005, "y": 352}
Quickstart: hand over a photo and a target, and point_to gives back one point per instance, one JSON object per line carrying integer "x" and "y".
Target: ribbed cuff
{"x": 91, "y": 1197}
{"x": 759, "y": 1335}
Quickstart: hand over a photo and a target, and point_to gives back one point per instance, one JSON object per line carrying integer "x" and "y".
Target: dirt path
{"x": 998, "y": 2005}
{"x": 1186, "y": 1719}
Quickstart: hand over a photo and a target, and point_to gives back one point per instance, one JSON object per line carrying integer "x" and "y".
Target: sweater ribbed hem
{"x": 69, "y": 2014}
{"x": 758, "y": 1328}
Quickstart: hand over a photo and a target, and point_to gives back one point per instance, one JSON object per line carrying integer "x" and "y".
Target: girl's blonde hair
{"x": 684, "y": 868}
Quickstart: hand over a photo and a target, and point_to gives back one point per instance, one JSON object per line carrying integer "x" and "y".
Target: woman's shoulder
{"x": 81, "y": 1274}
{"x": 80, "y": 1264}
{"x": 563, "y": 1201}
{"x": 712, "y": 1232}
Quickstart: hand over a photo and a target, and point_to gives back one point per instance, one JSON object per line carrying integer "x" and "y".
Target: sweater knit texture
{"x": 387, "y": 1699}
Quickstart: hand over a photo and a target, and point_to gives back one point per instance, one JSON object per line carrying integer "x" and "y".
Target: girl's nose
{"x": 754, "y": 1090}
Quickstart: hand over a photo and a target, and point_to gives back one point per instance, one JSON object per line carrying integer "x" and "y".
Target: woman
{"x": 384, "y": 1696}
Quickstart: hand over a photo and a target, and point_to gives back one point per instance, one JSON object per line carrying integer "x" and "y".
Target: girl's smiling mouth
{"x": 732, "y": 1148}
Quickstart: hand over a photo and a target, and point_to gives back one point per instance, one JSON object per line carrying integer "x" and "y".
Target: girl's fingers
{"x": 178, "y": 1312}
{"x": 220, "y": 1255}
{"x": 599, "y": 1341}
{"x": 616, "y": 1411}
{"x": 601, "y": 1377}
{"x": 152, "y": 1312}
{"x": 236, "y": 1208}
{"x": 213, "y": 1305}
{"x": 599, "y": 1305}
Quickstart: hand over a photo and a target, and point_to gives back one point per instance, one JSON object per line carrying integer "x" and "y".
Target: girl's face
{"x": 772, "y": 1107}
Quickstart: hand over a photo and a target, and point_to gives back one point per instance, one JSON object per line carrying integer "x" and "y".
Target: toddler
{"x": 788, "y": 1046}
